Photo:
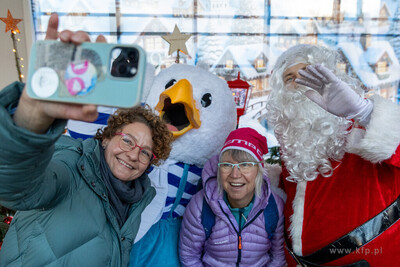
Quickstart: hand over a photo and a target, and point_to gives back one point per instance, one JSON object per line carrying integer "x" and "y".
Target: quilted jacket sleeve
{"x": 29, "y": 178}
{"x": 192, "y": 236}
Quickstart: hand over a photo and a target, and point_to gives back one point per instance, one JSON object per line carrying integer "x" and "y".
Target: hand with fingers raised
{"x": 334, "y": 95}
{"x": 37, "y": 115}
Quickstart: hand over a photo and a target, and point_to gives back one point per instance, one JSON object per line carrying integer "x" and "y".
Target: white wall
{"x": 20, "y": 9}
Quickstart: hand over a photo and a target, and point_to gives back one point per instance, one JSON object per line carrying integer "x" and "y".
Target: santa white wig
{"x": 309, "y": 136}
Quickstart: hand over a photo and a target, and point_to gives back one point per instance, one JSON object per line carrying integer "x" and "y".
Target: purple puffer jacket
{"x": 221, "y": 248}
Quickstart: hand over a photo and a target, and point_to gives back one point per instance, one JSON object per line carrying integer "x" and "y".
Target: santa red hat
{"x": 249, "y": 140}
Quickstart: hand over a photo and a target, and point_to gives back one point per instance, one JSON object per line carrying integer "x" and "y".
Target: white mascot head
{"x": 198, "y": 108}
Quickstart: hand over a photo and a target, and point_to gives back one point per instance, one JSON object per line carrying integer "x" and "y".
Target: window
{"x": 260, "y": 64}
{"x": 341, "y": 67}
{"x": 229, "y": 64}
{"x": 219, "y": 27}
{"x": 381, "y": 67}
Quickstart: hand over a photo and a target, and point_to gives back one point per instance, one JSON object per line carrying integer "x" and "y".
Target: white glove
{"x": 334, "y": 95}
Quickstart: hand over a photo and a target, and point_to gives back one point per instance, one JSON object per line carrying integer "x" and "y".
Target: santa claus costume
{"x": 341, "y": 176}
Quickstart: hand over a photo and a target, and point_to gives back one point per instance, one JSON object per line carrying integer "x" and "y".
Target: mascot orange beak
{"x": 178, "y": 108}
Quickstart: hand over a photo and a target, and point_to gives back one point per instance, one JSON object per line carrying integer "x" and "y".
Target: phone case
{"x": 83, "y": 74}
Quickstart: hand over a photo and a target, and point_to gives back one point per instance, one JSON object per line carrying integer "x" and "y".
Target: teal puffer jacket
{"x": 64, "y": 216}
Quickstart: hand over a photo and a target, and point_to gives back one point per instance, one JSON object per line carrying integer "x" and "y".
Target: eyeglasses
{"x": 127, "y": 143}
{"x": 243, "y": 167}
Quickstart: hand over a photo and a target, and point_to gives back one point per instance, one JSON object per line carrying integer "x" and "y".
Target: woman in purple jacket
{"x": 237, "y": 193}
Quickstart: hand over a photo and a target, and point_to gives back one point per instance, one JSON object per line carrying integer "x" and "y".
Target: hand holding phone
{"x": 36, "y": 115}
{"x": 89, "y": 73}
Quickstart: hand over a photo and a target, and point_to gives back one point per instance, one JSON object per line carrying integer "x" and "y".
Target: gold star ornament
{"x": 177, "y": 41}
{"x": 11, "y": 23}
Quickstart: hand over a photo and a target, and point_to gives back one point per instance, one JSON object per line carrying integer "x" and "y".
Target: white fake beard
{"x": 308, "y": 135}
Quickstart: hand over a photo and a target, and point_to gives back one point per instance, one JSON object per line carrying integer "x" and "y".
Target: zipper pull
{"x": 240, "y": 242}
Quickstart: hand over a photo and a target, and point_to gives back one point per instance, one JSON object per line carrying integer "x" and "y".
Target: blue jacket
{"x": 64, "y": 216}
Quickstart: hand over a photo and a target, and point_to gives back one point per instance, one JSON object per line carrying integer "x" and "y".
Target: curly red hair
{"x": 161, "y": 136}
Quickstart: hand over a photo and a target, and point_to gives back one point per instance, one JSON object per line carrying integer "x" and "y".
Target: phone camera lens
{"x": 122, "y": 69}
{"x": 132, "y": 55}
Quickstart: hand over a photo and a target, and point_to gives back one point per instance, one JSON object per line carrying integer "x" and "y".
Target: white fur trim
{"x": 296, "y": 220}
{"x": 382, "y": 136}
{"x": 256, "y": 157}
{"x": 354, "y": 138}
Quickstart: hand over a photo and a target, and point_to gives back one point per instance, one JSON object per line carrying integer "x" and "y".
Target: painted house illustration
{"x": 292, "y": 32}
{"x": 374, "y": 63}
{"x": 254, "y": 62}
{"x": 156, "y": 48}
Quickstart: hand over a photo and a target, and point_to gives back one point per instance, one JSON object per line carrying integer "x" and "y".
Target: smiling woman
{"x": 238, "y": 178}
{"x": 108, "y": 170}
{"x": 82, "y": 199}
{"x": 237, "y": 198}
{"x": 161, "y": 138}
{"x": 127, "y": 146}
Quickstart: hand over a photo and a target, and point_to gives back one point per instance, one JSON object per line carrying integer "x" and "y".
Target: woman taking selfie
{"x": 78, "y": 202}
{"x": 236, "y": 220}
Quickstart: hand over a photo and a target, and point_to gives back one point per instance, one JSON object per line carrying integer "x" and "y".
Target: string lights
{"x": 11, "y": 25}
{"x": 18, "y": 59}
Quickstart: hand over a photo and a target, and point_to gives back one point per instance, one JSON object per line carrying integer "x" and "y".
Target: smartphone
{"x": 90, "y": 73}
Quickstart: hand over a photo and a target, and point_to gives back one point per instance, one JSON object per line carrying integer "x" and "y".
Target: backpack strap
{"x": 271, "y": 216}
{"x": 207, "y": 218}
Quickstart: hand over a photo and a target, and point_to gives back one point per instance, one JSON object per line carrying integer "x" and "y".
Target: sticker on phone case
{"x": 80, "y": 78}
{"x": 44, "y": 82}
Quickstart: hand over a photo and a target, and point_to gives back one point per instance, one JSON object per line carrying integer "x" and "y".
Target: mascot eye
{"x": 170, "y": 83}
{"x": 206, "y": 100}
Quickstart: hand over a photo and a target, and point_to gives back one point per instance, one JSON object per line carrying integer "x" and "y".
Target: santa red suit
{"x": 364, "y": 183}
